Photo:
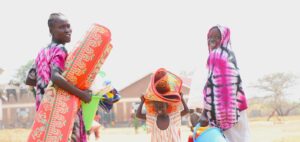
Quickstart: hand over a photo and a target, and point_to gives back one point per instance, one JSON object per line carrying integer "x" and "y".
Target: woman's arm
{"x": 31, "y": 78}
{"x": 139, "y": 110}
{"x": 61, "y": 82}
{"x": 185, "y": 108}
{"x": 30, "y": 82}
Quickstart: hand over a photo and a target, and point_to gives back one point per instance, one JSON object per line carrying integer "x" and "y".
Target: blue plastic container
{"x": 209, "y": 135}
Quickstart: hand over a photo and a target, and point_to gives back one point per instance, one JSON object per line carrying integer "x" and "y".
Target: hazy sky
{"x": 150, "y": 34}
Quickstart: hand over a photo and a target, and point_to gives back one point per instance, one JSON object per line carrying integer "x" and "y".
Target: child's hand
{"x": 203, "y": 121}
{"x": 87, "y": 96}
{"x": 142, "y": 98}
{"x": 181, "y": 95}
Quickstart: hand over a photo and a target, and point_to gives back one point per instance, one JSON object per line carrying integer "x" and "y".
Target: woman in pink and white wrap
{"x": 224, "y": 99}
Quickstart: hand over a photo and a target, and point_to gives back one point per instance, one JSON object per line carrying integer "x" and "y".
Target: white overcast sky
{"x": 150, "y": 34}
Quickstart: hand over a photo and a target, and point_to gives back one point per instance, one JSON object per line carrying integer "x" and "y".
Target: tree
{"x": 277, "y": 84}
{"x": 23, "y": 70}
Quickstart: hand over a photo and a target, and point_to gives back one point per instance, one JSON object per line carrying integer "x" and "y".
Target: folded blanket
{"x": 165, "y": 87}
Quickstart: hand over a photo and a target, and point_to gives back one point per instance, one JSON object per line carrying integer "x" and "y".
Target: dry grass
{"x": 261, "y": 131}
{"x": 14, "y": 135}
{"x": 274, "y": 130}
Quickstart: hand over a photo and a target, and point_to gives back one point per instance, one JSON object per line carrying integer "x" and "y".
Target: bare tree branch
{"x": 277, "y": 84}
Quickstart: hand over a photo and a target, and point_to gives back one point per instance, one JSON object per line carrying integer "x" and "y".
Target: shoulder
{"x": 57, "y": 48}
{"x": 175, "y": 115}
{"x": 41, "y": 52}
{"x": 51, "y": 48}
{"x": 216, "y": 55}
{"x": 218, "y": 58}
{"x": 150, "y": 117}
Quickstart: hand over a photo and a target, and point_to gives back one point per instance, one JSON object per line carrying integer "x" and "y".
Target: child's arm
{"x": 139, "y": 110}
{"x": 203, "y": 118}
{"x": 185, "y": 108}
{"x": 61, "y": 82}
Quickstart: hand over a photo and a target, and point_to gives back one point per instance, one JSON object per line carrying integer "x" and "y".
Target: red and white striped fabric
{"x": 171, "y": 134}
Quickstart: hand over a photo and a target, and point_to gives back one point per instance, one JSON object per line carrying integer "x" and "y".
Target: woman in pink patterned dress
{"x": 49, "y": 66}
{"x": 224, "y": 99}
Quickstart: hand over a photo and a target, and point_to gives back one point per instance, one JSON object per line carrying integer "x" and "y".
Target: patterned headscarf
{"x": 223, "y": 93}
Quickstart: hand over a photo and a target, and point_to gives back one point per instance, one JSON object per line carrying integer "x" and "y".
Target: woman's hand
{"x": 86, "y": 96}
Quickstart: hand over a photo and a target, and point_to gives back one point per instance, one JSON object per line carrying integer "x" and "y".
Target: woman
{"x": 224, "y": 98}
{"x": 49, "y": 66}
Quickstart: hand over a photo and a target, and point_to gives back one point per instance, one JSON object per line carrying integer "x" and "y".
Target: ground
{"x": 261, "y": 131}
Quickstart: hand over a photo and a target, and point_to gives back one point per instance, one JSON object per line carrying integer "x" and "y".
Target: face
{"x": 61, "y": 30}
{"x": 162, "y": 87}
{"x": 160, "y": 107}
{"x": 214, "y": 38}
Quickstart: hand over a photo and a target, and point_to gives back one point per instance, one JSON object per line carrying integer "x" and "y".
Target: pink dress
{"x": 51, "y": 57}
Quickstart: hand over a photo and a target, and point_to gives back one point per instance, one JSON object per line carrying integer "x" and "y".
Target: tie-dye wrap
{"x": 223, "y": 93}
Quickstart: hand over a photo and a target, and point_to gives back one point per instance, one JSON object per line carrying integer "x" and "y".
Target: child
{"x": 96, "y": 126}
{"x": 224, "y": 98}
{"x": 49, "y": 65}
{"x": 164, "y": 127}
{"x": 195, "y": 119}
